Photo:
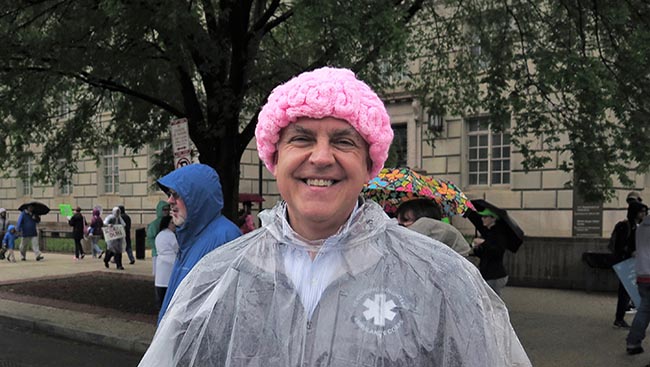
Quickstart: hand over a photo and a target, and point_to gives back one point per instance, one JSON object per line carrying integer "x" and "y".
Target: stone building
{"x": 466, "y": 152}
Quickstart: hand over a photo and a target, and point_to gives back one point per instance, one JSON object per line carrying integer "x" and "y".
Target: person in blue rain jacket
{"x": 195, "y": 200}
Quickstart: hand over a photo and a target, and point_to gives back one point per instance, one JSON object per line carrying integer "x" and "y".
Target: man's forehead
{"x": 333, "y": 129}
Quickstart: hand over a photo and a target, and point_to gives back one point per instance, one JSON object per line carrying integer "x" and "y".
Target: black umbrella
{"x": 38, "y": 208}
{"x": 516, "y": 234}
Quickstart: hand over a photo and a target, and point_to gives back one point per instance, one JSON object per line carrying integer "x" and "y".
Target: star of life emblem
{"x": 377, "y": 311}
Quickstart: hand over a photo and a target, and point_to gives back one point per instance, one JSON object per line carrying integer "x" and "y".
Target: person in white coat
{"x": 167, "y": 249}
{"x": 114, "y": 247}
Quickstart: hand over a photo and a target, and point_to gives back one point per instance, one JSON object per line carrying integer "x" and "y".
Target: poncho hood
{"x": 199, "y": 187}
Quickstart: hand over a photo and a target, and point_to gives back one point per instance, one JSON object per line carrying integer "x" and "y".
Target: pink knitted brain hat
{"x": 325, "y": 92}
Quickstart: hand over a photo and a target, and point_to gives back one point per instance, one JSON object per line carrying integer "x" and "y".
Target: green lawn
{"x": 64, "y": 245}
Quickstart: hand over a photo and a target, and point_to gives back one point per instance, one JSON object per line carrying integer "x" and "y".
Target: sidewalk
{"x": 570, "y": 328}
{"x": 556, "y": 327}
{"x": 120, "y": 333}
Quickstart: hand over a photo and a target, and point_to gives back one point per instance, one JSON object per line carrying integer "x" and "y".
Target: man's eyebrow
{"x": 348, "y": 131}
{"x": 338, "y": 133}
{"x": 297, "y": 129}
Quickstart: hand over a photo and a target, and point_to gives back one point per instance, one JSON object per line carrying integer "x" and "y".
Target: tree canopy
{"x": 212, "y": 62}
{"x": 572, "y": 75}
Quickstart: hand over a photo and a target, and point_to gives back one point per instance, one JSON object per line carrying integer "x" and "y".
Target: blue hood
{"x": 11, "y": 226}
{"x": 199, "y": 187}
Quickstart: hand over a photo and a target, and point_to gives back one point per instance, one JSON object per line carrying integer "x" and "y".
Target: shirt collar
{"x": 332, "y": 242}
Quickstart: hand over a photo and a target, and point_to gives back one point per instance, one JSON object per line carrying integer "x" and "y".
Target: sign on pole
{"x": 181, "y": 143}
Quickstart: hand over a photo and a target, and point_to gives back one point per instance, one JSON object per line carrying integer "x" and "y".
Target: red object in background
{"x": 253, "y": 198}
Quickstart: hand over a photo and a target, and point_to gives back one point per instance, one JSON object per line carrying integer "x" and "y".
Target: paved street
{"x": 22, "y": 348}
{"x": 557, "y": 327}
{"x": 570, "y": 328}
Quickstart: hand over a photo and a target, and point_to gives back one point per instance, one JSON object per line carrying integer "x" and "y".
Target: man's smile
{"x": 319, "y": 182}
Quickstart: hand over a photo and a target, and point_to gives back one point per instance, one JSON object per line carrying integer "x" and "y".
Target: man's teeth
{"x": 319, "y": 182}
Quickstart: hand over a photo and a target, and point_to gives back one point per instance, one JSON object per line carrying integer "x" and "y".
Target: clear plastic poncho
{"x": 392, "y": 297}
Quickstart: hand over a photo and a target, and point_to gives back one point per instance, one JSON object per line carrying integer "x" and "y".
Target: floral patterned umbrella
{"x": 452, "y": 200}
{"x": 393, "y": 186}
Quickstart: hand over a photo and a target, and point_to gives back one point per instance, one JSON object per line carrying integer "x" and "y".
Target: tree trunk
{"x": 224, "y": 156}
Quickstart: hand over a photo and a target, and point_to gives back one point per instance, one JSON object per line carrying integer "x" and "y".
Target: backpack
{"x": 611, "y": 245}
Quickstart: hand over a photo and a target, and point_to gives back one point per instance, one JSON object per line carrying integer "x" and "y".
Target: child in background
{"x": 9, "y": 241}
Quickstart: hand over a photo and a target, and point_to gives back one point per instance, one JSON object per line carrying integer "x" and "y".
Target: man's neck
{"x": 315, "y": 231}
{"x": 318, "y": 230}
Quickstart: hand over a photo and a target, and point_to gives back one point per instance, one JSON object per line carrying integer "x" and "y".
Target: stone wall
{"x": 557, "y": 262}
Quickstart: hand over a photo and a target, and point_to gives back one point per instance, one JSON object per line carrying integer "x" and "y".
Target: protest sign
{"x": 113, "y": 233}
{"x": 627, "y": 275}
{"x": 65, "y": 209}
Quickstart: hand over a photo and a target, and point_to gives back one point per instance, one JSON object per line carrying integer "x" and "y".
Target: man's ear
{"x": 275, "y": 162}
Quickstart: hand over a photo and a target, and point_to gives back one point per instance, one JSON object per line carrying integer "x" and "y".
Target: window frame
{"x": 27, "y": 182}
{"x": 498, "y": 154}
{"x": 403, "y": 127}
{"x": 111, "y": 180}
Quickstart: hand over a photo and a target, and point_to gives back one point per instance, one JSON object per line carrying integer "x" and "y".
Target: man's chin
{"x": 178, "y": 221}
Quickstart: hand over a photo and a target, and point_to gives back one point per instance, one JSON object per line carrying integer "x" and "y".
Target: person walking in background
{"x": 624, "y": 235}
{"x": 246, "y": 223}
{"x": 9, "y": 242}
{"x": 95, "y": 232}
{"x": 78, "y": 224}
{"x": 114, "y": 247}
{"x": 633, "y": 196}
{"x": 329, "y": 279}
{"x": 642, "y": 268}
{"x": 167, "y": 249}
{"x": 490, "y": 247}
{"x": 4, "y": 222}
{"x": 195, "y": 200}
{"x": 127, "y": 229}
{"x": 27, "y": 227}
{"x": 162, "y": 209}
{"x": 424, "y": 216}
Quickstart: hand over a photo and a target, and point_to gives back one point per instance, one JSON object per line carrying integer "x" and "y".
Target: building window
{"x": 489, "y": 154}
{"x": 64, "y": 111}
{"x": 65, "y": 187}
{"x": 111, "y": 170}
{"x": 27, "y": 179}
{"x": 398, "y": 152}
{"x": 65, "y": 184}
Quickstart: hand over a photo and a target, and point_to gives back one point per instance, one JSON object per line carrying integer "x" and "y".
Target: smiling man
{"x": 317, "y": 170}
{"x": 329, "y": 279}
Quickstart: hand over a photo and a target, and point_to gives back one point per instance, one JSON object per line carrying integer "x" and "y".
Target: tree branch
{"x": 101, "y": 83}
{"x": 374, "y": 53}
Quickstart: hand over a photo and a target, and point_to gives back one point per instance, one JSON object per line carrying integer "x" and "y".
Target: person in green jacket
{"x": 162, "y": 209}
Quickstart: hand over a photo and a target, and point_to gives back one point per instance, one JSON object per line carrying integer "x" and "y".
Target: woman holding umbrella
{"x": 490, "y": 247}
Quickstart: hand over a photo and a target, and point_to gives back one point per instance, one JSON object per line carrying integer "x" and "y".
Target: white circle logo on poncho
{"x": 376, "y": 311}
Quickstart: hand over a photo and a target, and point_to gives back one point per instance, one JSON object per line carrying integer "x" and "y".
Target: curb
{"x": 129, "y": 345}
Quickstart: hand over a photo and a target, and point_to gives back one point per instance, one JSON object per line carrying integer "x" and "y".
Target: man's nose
{"x": 322, "y": 154}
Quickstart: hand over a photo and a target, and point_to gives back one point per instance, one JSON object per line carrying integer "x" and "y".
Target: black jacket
{"x": 78, "y": 223}
{"x": 492, "y": 250}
